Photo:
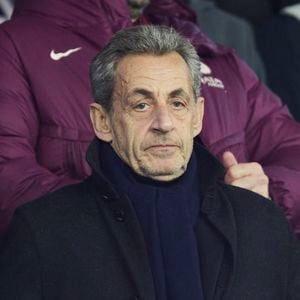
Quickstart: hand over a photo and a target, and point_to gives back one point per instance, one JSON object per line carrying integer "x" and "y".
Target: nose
{"x": 162, "y": 120}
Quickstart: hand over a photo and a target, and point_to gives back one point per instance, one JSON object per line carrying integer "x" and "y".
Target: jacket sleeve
{"x": 273, "y": 140}
{"x": 19, "y": 264}
{"x": 21, "y": 177}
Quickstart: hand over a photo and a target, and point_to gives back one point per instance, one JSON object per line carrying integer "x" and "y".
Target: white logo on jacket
{"x": 60, "y": 55}
{"x": 209, "y": 80}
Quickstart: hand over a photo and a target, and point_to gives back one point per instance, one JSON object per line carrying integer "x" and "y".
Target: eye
{"x": 178, "y": 104}
{"x": 141, "y": 106}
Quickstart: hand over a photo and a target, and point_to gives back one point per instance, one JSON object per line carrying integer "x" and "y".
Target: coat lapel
{"x": 216, "y": 232}
{"x": 124, "y": 225}
{"x": 121, "y": 219}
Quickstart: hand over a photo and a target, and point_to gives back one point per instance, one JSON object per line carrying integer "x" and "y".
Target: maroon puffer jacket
{"x": 45, "y": 129}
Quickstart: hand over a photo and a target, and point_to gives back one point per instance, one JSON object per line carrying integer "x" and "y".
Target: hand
{"x": 249, "y": 176}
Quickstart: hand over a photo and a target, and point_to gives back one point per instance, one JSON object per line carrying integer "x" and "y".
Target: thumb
{"x": 229, "y": 159}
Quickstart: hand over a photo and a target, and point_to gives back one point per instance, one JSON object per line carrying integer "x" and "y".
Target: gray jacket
{"x": 229, "y": 30}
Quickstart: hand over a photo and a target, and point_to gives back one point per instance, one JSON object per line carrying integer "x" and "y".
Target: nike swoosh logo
{"x": 60, "y": 55}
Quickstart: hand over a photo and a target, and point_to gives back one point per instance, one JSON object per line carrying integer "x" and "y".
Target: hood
{"x": 175, "y": 13}
{"x": 76, "y": 13}
{"x": 172, "y": 8}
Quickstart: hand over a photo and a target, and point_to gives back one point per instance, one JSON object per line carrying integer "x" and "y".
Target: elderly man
{"x": 45, "y": 127}
{"x": 155, "y": 220}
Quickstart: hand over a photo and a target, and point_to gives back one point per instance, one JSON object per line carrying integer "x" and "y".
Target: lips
{"x": 162, "y": 149}
{"x": 163, "y": 146}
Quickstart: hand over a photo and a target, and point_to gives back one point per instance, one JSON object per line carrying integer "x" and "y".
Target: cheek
{"x": 185, "y": 129}
{"x": 129, "y": 136}
{"x": 186, "y": 134}
{"x": 138, "y": 136}
{"x": 119, "y": 132}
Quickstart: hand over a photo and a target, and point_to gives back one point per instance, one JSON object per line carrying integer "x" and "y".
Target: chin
{"x": 163, "y": 173}
{"x": 166, "y": 178}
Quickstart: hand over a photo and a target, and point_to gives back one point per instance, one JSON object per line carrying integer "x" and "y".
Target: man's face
{"x": 154, "y": 116}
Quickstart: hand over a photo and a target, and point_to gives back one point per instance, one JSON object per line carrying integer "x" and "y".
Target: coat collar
{"x": 216, "y": 229}
{"x": 122, "y": 221}
{"x": 217, "y": 242}
{"x": 210, "y": 168}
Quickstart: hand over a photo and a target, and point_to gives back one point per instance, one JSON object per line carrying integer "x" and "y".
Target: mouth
{"x": 162, "y": 146}
{"x": 162, "y": 149}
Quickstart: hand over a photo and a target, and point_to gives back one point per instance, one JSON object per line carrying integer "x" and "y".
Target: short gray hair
{"x": 146, "y": 39}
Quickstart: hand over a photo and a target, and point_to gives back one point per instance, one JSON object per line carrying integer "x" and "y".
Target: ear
{"x": 101, "y": 122}
{"x": 198, "y": 116}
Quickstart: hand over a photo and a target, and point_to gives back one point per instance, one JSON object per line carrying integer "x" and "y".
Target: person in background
{"x": 227, "y": 29}
{"x": 154, "y": 221}
{"x": 279, "y": 46}
{"x": 45, "y": 52}
{"x": 254, "y": 11}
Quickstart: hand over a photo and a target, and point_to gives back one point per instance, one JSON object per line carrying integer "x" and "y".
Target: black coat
{"x": 85, "y": 242}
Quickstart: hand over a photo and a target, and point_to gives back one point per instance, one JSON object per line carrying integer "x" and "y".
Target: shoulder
{"x": 253, "y": 215}
{"x": 241, "y": 198}
{"x": 255, "y": 212}
{"x": 61, "y": 206}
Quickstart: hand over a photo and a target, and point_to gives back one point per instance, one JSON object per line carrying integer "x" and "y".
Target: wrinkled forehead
{"x": 163, "y": 74}
{"x": 147, "y": 63}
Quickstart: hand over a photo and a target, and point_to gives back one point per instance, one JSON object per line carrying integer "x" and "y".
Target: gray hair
{"x": 147, "y": 39}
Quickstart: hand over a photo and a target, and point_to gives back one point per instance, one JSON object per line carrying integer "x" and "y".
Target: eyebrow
{"x": 142, "y": 92}
{"x": 178, "y": 92}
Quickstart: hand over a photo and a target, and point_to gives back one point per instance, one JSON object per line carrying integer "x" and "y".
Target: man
{"x": 154, "y": 221}
{"x": 44, "y": 94}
